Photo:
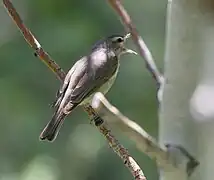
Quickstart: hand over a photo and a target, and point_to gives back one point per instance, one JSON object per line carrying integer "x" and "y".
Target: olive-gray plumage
{"x": 92, "y": 73}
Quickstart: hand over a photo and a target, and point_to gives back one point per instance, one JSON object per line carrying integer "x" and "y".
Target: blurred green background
{"x": 67, "y": 29}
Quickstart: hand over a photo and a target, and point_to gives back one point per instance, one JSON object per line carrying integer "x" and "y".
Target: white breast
{"x": 103, "y": 89}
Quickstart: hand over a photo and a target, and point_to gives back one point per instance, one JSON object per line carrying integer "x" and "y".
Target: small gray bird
{"x": 92, "y": 73}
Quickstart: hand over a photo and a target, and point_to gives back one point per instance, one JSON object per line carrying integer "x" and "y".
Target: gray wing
{"x": 100, "y": 67}
{"x": 86, "y": 76}
{"x": 71, "y": 78}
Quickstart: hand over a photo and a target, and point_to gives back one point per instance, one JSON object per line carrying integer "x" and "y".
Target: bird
{"x": 93, "y": 73}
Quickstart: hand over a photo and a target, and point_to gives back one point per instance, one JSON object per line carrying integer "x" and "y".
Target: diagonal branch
{"x": 121, "y": 151}
{"x": 163, "y": 156}
{"x": 39, "y": 51}
{"x": 31, "y": 40}
{"x": 142, "y": 139}
{"x": 170, "y": 158}
{"x": 143, "y": 49}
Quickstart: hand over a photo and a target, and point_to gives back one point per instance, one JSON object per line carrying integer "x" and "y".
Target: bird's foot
{"x": 97, "y": 121}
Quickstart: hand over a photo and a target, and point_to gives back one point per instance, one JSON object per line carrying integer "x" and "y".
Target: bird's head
{"x": 117, "y": 44}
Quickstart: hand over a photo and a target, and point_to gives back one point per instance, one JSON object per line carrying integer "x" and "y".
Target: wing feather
{"x": 85, "y": 77}
{"x": 100, "y": 68}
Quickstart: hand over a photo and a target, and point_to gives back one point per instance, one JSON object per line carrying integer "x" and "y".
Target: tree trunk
{"x": 189, "y": 23}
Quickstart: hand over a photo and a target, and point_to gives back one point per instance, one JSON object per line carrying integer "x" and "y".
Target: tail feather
{"x": 51, "y": 130}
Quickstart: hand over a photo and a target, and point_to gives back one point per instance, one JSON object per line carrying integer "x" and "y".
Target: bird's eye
{"x": 119, "y": 39}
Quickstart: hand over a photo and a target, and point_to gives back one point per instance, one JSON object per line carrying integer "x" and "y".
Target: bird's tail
{"x": 51, "y": 130}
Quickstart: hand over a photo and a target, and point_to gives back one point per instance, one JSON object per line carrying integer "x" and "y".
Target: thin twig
{"x": 113, "y": 142}
{"x": 31, "y": 40}
{"x": 143, "y": 49}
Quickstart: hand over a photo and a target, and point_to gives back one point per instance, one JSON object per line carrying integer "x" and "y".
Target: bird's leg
{"x": 97, "y": 120}
{"x": 93, "y": 115}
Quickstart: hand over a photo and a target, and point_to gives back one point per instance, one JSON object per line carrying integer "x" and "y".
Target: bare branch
{"x": 112, "y": 141}
{"x": 143, "y": 49}
{"x": 142, "y": 139}
{"x": 134, "y": 131}
{"x": 31, "y": 40}
{"x": 122, "y": 152}
{"x": 170, "y": 158}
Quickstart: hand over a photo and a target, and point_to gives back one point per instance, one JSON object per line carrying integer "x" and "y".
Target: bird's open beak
{"x": 129, "y": 50}
{"x": 127, "y": 36}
